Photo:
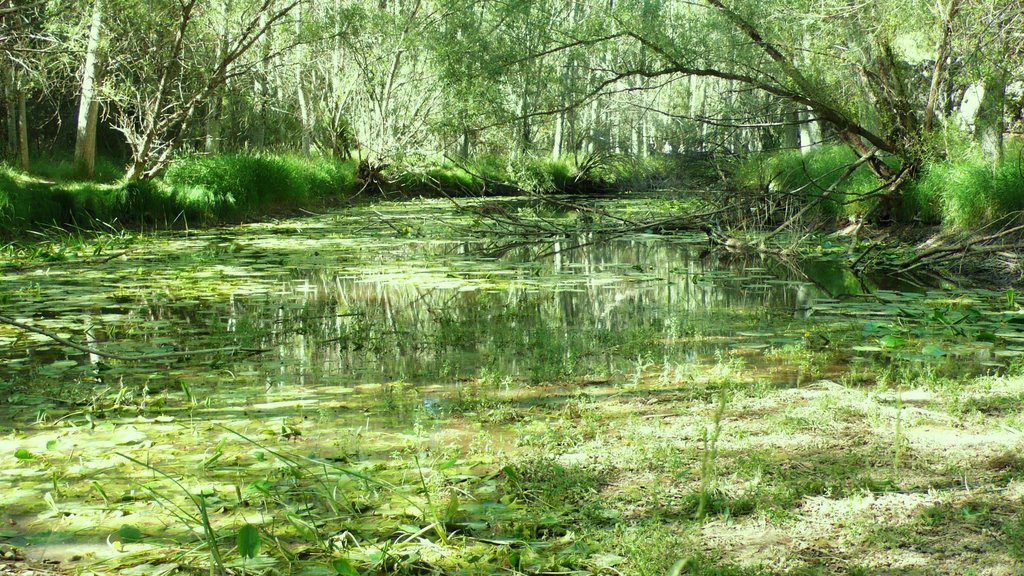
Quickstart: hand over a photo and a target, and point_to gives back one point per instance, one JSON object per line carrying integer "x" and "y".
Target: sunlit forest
{"x": 516, "y": 287}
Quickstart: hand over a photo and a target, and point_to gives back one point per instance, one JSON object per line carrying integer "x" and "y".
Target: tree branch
{"x": 122, "y": 357}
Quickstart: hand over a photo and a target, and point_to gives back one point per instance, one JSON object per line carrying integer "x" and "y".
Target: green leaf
{"x": 453, "y": 508}
{"x": 344, "y": 567}
{"x": 681, "y": 567}
{"x": 892, "y": 341}
{"x": 515, "y": 560}
{"x": 52, "y": 445}
{"x": 933, "y": 351}
{"x": 23, "y": 454}
{"x": 248, "y": 541}
{"x": 129, "y": 533}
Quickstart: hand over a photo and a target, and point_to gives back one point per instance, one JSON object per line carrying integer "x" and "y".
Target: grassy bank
{"x": 196, "y": 189}
{"x": 208, "y": 189}
{"x": 962, "y": 190}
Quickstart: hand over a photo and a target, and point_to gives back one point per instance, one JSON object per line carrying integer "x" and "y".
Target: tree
{"x": 88, "y": 107}
{"x": 162, "y": 92}
{"x": 23, "y": 42}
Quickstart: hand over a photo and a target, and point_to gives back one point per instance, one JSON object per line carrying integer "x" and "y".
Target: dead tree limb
{"x": 126, "y": 358}
{"x": 825, "y": 194}
{"x": 977, "y": 244}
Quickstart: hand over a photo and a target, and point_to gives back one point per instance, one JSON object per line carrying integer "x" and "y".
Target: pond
{"x": 406, "y": 384}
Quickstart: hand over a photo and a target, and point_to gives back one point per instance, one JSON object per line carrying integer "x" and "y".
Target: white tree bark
{"x": 215, "y": 115}
{"x": 88, "y": 105}
{"x": 989, "y": 123}
{"x": 810, "y": 131}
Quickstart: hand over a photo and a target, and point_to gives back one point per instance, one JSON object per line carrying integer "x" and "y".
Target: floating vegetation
{"x": 424, "y": 406}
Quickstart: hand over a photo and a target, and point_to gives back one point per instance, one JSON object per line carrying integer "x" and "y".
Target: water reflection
{"x": 344, "y": 299}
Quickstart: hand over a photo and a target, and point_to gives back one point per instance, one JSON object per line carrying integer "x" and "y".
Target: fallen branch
{"x": 939, "y": 253}
{"x": 825, "y": 194}
{"x": 66, "y": 263}
{"x": 129, "y": 358}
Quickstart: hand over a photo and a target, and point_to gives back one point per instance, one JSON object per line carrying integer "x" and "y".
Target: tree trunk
{"x": 12, "y": 116}
{"x": 645, "y": 136}
{"x": 22, "y": 130}
{"x": 304, "y": 116}
{"x": 938, "y": 72}
{"x": 524, "y": 120}
{"x": 791, "y": 130}
{"x": 989, "y": 123}
{"x": 88, "y": 105}
{"x": 556, "y": 141}
{"x": 591, "y": 126}
{"x": 215, "y": 115}
{"x": 810, "y": 131}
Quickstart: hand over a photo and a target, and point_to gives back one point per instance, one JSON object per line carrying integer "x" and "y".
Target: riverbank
{"x": 230, "y": 188}
{"x": 962, "y": 190}
{"x": 750, "y": 196}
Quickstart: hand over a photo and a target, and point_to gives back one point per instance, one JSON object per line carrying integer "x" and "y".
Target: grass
{"x": 203, "y": 189}
{"x": 486, "y": 175}
{"x": 194, "y": 189}
{"x": 961, "y": 190}
{"x": 968, "y": 192}
{"x": 106, "y": 170}
{"x": 233, "y": 185}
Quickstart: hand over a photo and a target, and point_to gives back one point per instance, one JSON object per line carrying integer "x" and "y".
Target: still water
{"x": 406, "y": 293}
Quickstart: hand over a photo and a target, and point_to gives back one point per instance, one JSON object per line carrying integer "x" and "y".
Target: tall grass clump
{"x": 233, "y": 185}
{"x": 625, "y": 172}
{"x": 968, "y": 191}
{"x": 539, "y": 174}
{"x": 426, "y": 177}
{"x": 7, "y": 183}
{"x": 27, "y": 201}
{"x": 62, "y": 169}
{"x": 486, "y": 174}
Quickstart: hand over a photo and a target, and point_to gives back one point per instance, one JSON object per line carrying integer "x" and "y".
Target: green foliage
{"x": 486, "y": 174}
{"x": 248, "y": 540}
{"x": 62, "y": 169}
{"x": 26, "y": 200}
{"x": 194, "y": 189}
{"x": 538, "y": 175}
{"x": 962, "y": 191}
{"x": 232, "y": 185}
{"x": 967, "y": 191}
{"x": 809, "y": 175}
{"x": 625, "y": 172}
{"x": 1013, "y": 534}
